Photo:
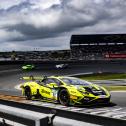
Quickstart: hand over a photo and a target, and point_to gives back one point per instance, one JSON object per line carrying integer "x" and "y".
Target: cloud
{"x": 5, "y": 4}
{"x": 34, "y": 21}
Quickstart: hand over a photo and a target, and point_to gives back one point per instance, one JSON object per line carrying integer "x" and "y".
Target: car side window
{"x": 48, "y": 80}
{"x": 52, "y": 80}
{"x": 57, "y": 82}
{"x": 66, "y": 81}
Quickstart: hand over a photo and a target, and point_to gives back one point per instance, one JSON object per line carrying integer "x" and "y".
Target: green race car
{"x": 64, "y": 90}
{"x": 28, "y": 67}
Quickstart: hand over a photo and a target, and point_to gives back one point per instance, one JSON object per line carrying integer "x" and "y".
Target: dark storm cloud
{"x": 68, "y": 18}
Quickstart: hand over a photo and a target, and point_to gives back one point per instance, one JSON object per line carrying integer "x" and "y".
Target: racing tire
{"x": 64, "y": 97}
{"x": 28, "y": 93}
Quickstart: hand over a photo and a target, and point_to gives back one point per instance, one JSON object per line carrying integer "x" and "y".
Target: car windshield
{"x": 76, "y": 81}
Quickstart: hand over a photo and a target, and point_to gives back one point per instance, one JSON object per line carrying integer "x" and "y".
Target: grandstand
{"x": 98, "y": 46}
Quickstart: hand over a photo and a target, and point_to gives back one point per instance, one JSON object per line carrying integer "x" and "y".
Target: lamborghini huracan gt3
{"x": 64, "y": 90}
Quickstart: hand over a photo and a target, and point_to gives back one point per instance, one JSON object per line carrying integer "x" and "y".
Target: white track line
{"x": 79, "y": 74}
{"x": 119, "y": 91}
{"x": 5, "y": 71}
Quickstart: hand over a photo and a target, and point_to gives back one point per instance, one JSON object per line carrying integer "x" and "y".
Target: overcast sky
{"x": 49, "y": 24}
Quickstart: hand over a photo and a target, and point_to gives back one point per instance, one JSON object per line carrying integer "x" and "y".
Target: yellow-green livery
{"x": 28, "y": 67}
{"x": 64, "y": 90}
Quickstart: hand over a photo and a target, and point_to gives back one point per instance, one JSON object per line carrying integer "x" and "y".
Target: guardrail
{"x": 23, "y": 116}
{"x": 65, "y": 113}
{"x": 61, "y": 61}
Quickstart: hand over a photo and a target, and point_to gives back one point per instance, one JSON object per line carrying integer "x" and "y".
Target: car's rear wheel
{"x": 28, "y": 93}
{"x": 64, "y": 97}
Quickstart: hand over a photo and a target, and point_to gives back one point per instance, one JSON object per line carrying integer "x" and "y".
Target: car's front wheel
{"x": 64, "y": 97}
{"x": 28, "y": 93}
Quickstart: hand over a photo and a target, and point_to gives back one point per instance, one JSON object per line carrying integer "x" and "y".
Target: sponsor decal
{"x": 115, "y": 55}
{"x": 46, "y": 92}
{"x": 73, "y": 97}
{"x": 73, "y": 92}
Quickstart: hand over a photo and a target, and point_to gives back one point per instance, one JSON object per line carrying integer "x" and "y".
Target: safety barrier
{"x": 23, "y": 116}
{"x": 64, "y": 112}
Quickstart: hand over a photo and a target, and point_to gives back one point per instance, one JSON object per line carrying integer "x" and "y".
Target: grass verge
{"x": 107, "y": 76}
{"x": 115, "y": 88}
{"x": 104, "y": 76}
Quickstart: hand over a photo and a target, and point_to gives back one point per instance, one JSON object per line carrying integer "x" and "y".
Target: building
{"x": 98, "y": 46}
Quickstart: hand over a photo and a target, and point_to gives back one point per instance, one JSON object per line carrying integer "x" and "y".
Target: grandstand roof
{"x": 98, "y": 38}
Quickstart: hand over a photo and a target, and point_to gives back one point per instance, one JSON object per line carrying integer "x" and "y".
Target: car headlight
{"x": 88, "y": 98}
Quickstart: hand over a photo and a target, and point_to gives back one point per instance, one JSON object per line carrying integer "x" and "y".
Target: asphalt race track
{"x": 10, "y": 76}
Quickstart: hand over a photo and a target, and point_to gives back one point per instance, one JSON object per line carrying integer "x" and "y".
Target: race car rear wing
{"x": 33, "y": 78}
